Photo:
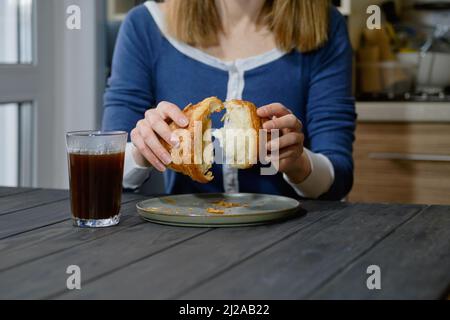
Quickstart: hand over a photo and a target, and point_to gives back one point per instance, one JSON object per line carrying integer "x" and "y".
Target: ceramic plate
{"x": 219, "y": 210}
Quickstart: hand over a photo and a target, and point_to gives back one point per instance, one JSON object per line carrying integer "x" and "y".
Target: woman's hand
{"x": 292, "y": 161}
{"x": 145, "y": 136}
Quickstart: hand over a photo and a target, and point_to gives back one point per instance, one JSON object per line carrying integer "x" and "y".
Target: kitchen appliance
{"x": 420, "y": 69}
{"x": 433, "y": 69}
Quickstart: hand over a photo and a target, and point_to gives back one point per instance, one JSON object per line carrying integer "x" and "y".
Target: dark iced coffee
{"x": 96, "y": 161}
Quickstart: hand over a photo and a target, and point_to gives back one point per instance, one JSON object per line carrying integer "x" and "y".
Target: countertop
{"x": 438, "y": 112}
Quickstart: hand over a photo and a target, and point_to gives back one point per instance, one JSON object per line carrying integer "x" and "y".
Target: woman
{"x": 290, "y": 57}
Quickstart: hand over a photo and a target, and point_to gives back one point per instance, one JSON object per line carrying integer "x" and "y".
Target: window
{"x": 9, "y": 142}
{"x": 16, "y": 123}
{"x": 16, "y": 117}
{"x": 16, "y": 21}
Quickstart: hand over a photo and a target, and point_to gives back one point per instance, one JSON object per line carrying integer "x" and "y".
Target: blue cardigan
{"x": 149, "y": 67}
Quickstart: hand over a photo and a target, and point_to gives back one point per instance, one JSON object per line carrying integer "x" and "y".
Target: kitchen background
{"x": 52, "y": 80}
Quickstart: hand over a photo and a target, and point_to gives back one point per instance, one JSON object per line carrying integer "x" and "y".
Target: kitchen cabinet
{"x": 402, "y": 162}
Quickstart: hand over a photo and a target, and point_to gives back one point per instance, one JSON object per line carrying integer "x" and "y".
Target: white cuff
{"x": 320, "y": 179}
{"x": 134, "y": 175}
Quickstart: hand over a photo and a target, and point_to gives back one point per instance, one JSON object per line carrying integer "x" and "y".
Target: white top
{"x": 322, "y": 175}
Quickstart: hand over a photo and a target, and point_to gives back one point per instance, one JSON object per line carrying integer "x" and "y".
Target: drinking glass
{"x": 96, "y": 161}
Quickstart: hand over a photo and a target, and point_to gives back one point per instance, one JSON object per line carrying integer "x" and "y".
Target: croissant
{"x": 241, "y": 123}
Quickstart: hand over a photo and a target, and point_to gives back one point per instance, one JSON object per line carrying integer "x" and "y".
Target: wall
{"x": 71, "y": 65}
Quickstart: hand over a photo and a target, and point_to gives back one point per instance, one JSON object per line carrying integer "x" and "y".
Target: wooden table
{"x": 324, "y": 254}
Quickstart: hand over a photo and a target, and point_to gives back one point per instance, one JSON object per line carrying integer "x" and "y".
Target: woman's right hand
{"x": 145, "y": 137}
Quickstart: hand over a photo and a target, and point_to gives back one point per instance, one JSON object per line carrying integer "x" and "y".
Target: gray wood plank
{"x": 172, "y": 271}
{"x": 33, "y": 218}
{"x": 21, "y": 246}
{"x": 97, "y": 258}
{"x": 129, "y": 196}
{"x": 414, "y": 263}
{"x": 58, "y": 237}
{"x": 7, "y": 191}
{"x": 40, "y": 217}
{"x": 18, "y": 202}
{"x": 294, "y": 267}
{"x": 46, "y": 277}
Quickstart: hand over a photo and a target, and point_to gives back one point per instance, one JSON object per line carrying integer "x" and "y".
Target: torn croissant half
{"x": 190, "y": 153}
{"x": 238, "y": 138}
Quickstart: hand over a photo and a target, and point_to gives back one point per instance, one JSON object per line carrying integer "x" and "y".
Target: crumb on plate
{"x": 215, "y": 211}
{"x": 225, "y": 204}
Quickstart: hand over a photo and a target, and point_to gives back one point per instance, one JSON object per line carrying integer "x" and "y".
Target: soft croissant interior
{"x": 239, "y": 135}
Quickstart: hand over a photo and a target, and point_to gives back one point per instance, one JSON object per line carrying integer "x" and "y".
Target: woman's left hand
{"x": 292, "y": 161}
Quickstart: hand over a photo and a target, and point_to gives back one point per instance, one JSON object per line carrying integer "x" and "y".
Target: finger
{"x": 142, "y": 147}
{"x": 168, "y": 110}
{"x": 152, "y": 141}
{"x": 162, "y": 129}
{"x": 290, "y": 139}
{"x": 156, "y": 123}
{"x": 273, "y": 110}
{"x": 286, "y": 122}
{"x": 151, "y": 117}
{"x": 290, "y": 152}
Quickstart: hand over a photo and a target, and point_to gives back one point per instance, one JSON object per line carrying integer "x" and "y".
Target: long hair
{"x": 300, "y": 24}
